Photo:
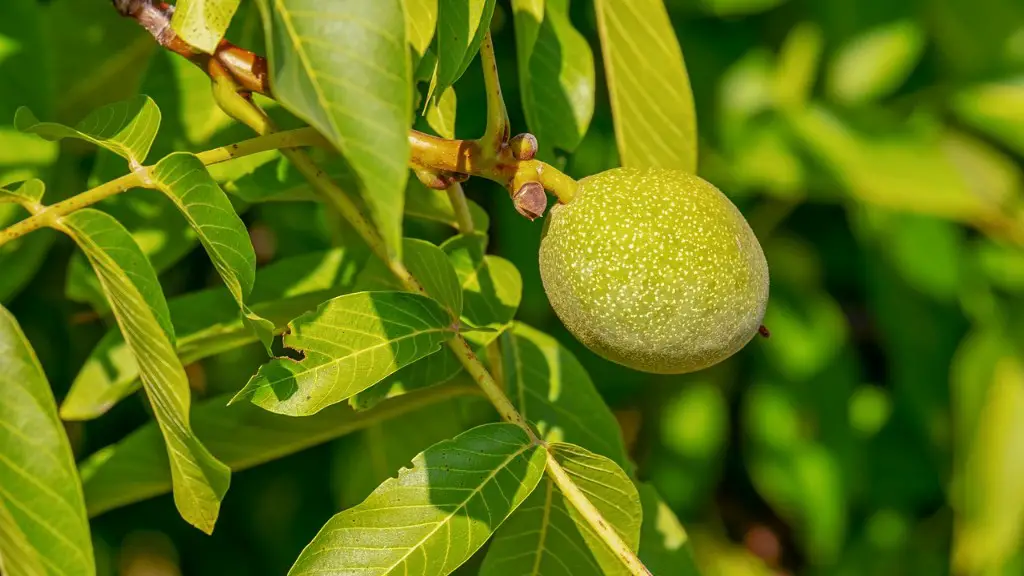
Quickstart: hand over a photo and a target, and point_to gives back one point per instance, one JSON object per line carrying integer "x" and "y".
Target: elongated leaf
{"x": 343, "y": 67}
{"x": 652, "y": 105}
{"x": 420, "y": 21}
{"x": 43, "y": 528}
{"x": 556, "y": 73}
{"x": 200, "y": 480}
{"x": 125, "y": 128}
{"x": 184, "y": 179}
{"x": 553, "y": 391}
{"x": 27, "y": 193}
{"x": 241, "y": 436}
{"x": 431, "y": 267}
{"x": 202, "y": 23}
{"x": 208, "y": 323}
{"x": 432, "y": 517}
{"x": 348, "y": 344}
{"x": 433, "y": 205}
{"x": 492, "y": 287}
{"x": 546, "y": 536}
{"x": 876, "y": 63}
{"x": 461, "y": 25}
{"x": 997, "y": 109}
{"x": 665, "y": 547}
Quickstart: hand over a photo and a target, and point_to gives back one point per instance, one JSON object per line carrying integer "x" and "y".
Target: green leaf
{"x": 876, "y": 63}
{"x": 125, "y": 128}
{"x": 420, "y": 21}
{"x": 343, "y": 67}
{"x": 551, "y": 389}
{"x": 348, "y": 344}
{"x": 431, "y": 267}
{"x": 997, "y": 109}
{"x": 28, "y": 193}
{"x": 433, "y": 205}
{"x": 652, "y": 105}
{"x": 546, "y": 535}
{"x": 43, "y": 527}
{"x": 241, "y": 436}
{"x": 556, "y": 73}
{"x": 665, "y": 547}
{"x": 184, "y": 179}
{"x": 441, "y": 114}
{"x": 202, "y": 23}
{"x": 209, "y": 322}
{"x": 434, "y": 515}
{"x": 441, "y": 367}
{"x": 988, "y": 392}
{"x": 200, "y": 480}
{"x": 461, "y": 25}
{"x": 491, "y": 286}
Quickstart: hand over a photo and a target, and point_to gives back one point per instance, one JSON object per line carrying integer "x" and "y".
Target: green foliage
{"x": 42, "y": 516}
{"x": 875, "y": 148}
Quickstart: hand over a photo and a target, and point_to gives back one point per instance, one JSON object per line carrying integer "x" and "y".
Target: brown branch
{"x": 249, "y": 70}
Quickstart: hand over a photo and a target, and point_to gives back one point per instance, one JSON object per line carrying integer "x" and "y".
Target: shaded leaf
{"x": 665, "y": 547}
{"x": 434, "y": 515}
{"x": 876, "y": 63}
{"x": 546, "y": 536}
{"x": 184, "y": 179}
{"x": 208, "y": 322}
{"x": 492, "y": 287}
{"x": 551, "y": 389}
{"x": 241, "y": 436}
{"x": 125, "y": 128}
{"x": 43, "y": 527}
{"x": 202, "y": 23}
{"x": 433, "y": 205}
{"x": 321, "y": 72}
{"x": 200, "y": 480}
{"x": 348, "y": 344}
{"x": 556, "y": 73}
{"x": 431, "y": 267}
{"x": 461, "y": 25}
{"x": 652, "y": 105}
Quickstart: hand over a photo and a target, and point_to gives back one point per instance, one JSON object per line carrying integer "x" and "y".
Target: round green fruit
{"x": 654, "y": 269}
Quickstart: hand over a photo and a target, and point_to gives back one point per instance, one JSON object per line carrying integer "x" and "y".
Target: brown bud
{"x": 531, "y": 200}
{"x": 456, "y": 176}
{"x": 763, "y": 331}
{"x": 432, "y": 179}
{"x": 524, "y": 146}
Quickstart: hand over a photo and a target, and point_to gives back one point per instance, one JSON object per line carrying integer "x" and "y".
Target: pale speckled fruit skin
{"x": 654, "y": 269}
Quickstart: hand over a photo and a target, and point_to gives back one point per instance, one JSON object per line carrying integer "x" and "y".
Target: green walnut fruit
{"x": 654, "y": 269}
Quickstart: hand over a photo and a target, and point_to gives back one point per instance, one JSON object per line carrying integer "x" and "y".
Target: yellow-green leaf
{"x": 202, "y": 23}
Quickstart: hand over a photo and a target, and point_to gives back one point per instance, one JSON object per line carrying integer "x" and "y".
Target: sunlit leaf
{"x": 665, "y": 548}
{"x": 652, "y": 106}
{"x": 553, "y": 391}
{"x": 556, "y": 73}
{"x": 441, "y": 114}
{"x": 200, "y": 480}
{"x": 27, "y": 194}
{"x": 343, "y": 67}
{"x": 546, "y": 535}
{"x": 241, "y": 436}
{"x": 184, "y": 179}
{"x": 996, "y": 109}
{"x": 434, "y": 515}
{"x": 348, "y": 344}
{"x": 125, "y": 128}
{"x": 209, "y": 322}
{"x": 43, "y": 528}
{"x": 420, "y": 21}
{"x": 202, "y": 23}
{"x": 876, "y": 63}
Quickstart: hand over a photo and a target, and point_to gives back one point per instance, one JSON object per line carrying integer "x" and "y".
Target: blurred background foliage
{"x": 876, "y": 148}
